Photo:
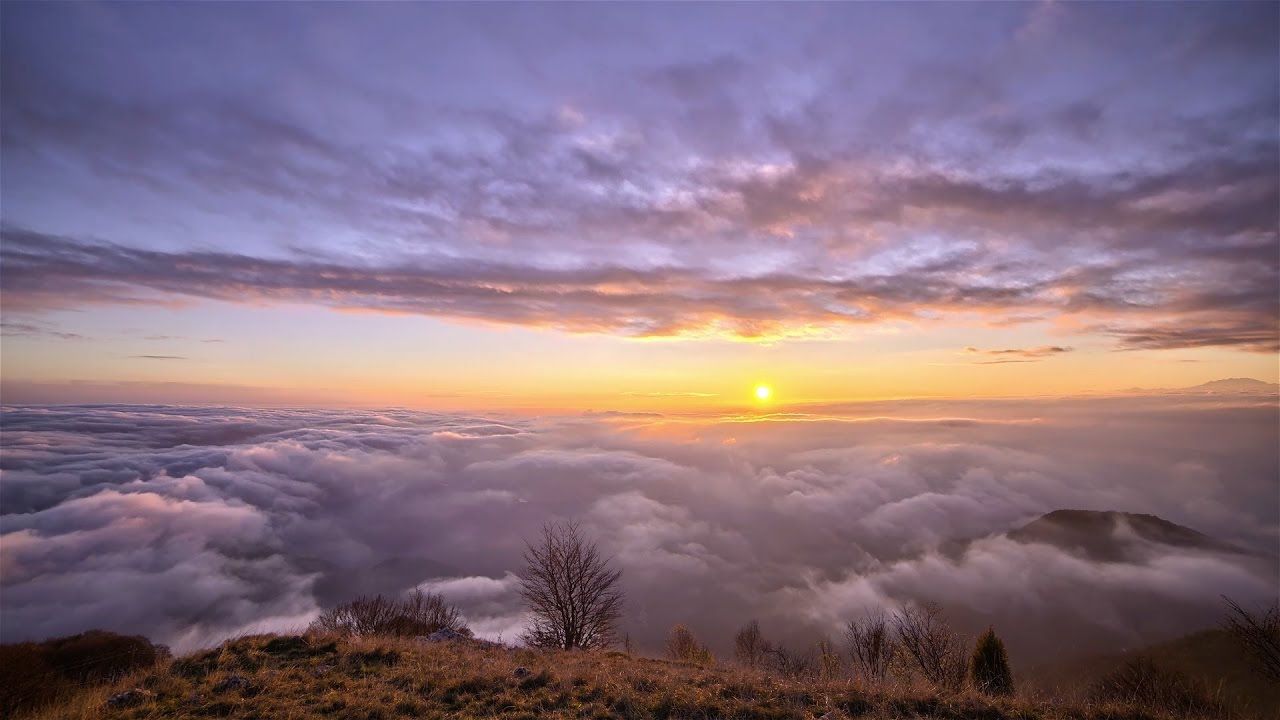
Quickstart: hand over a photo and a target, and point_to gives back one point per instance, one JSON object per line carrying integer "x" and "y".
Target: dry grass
{"x": 372, "y": 679}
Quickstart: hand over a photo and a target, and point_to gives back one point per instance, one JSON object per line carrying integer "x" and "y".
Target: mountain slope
{"x": 1210, "y": 656}
{"x": 1109, "y": 536}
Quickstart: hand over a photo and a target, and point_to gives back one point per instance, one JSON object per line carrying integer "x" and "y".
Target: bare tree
{"x": 570, "y": 590}
{"x": 684, "y": 647}
{"x": 1259, "y": 633}
{"x": 872, "y": 645}
{"x": 419, "y": 613}
{"x": 749, "y": 645}
{"x": 927, "y": 638}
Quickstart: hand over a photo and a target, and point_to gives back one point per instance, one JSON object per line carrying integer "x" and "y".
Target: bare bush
{"x": 790, "y": 664}
{"x": 936, "y": 651}
{"x": 418, "y": 613}
{"x": 749, "y": 645}
{"x": 1259, "y": 633}
{"x": 570, "y": 590}
{"x": 829, "y": 665}
{"x": 872, "y": 645}
{"x": 1154, "y": 687}
{"x": 682, "y": 646}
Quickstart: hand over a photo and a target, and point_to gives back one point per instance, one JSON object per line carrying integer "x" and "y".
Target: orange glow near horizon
{"x": 300, "y": 356}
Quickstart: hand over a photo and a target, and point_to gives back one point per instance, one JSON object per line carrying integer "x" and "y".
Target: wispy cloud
{"x": 633, "y": 393}
{"x": 166, "y": 338}
{"x": 1018, "y": 355}
{"x": 28, "y": 329}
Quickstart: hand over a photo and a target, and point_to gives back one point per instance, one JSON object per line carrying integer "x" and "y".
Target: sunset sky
{"x": 634, "y": 207}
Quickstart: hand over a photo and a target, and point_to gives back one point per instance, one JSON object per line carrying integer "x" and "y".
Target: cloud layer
{"x": 991, "y": 167}
{"x": 191, "y": 524}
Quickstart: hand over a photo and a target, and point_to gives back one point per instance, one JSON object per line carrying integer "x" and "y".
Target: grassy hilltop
{"x": 323, "y": 676}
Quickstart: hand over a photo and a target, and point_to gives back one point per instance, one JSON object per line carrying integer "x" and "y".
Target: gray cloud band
{"x": 41, "y": 272}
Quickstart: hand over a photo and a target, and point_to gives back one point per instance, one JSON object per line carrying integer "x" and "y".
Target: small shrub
{"x": 790, "y": 664}
{"x": 1259, "y": 634}
{"x": 684, "y": 647}
{"x": 872, "y": 645}
{"x": 1144, "y": 683}
{"x": 27, "y": 680}
{"x": 416, "y": 614}
{"x": 927, "y": 638}
{"x": 749, "y": 645}
{"x": 829, "y": 663}
{"x": 989, "y": 667}
{"x": 99, "y": 656}
{"x": 34, "y": 674}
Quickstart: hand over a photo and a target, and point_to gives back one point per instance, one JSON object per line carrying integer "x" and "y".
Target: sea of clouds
{"x": 192, "y": 524}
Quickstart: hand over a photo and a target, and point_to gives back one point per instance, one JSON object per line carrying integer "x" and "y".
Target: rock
{"x": 129, "y": 698}
{"x": 520, "y": 672}
{"x": 233, "y": 682}
{"x": 446, "y": 635}
{"x": 834, "y": 715}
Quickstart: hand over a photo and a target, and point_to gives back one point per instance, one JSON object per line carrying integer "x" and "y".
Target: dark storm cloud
{"x": 190, "y": 524}
{"x": 630, "y": 178}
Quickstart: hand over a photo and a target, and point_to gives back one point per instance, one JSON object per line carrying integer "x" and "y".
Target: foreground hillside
{"x": 323, "y": 677}
{"x": 1212, "y": 656}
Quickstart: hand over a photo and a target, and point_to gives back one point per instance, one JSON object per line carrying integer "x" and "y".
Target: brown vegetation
{"x": 1259, "y": 634}
{"x": 351, "y": 677}
{"x": 749, "y": 645}
{"x": 682, "y": 646}
{"x": 1156, "y": 687}
{"x": 33, "y": 675}
{"x": 935, "y": 649}
{"x": 418, "y": 613}
{"x": 872, "y": 645}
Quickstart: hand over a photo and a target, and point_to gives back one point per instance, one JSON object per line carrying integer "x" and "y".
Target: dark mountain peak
{"x": 1110, "y": 535}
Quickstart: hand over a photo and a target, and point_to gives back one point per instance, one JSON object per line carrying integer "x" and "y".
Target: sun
{"x": 763, "y": 392}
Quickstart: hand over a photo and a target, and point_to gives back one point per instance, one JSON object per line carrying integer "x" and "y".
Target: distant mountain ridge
{"x": 1225, "y": 385}
{"x": 1234, "y": 385}
{"x": 1100, "y": 535}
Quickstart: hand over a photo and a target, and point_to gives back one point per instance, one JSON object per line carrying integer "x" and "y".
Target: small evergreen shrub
{"x": 989, "y": 667}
